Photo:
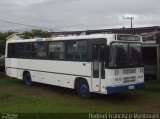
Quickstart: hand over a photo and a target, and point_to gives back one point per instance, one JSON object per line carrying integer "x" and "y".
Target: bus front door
{"x": 98, "y": 73}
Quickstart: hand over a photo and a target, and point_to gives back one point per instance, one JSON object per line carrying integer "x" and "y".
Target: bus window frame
{"x": 47, "y": 57}
{"x": 109, "y": 67}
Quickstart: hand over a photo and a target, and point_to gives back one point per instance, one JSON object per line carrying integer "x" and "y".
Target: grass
{"x": 15, "y": 97}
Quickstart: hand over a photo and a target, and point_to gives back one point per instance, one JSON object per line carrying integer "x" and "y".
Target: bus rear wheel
{"x": 83, "y": 89}
{"x": 27, "y": 78}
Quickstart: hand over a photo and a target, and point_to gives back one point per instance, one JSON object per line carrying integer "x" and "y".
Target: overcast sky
{"x": 63, "y": 15}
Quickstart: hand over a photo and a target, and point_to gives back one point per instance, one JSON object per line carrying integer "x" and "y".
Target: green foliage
{"x": 2, "y": 47}
{"x": 3, "y": 36}
{"x": 35, "y": 33}
{"x": 39, "y": 98}
{"x": 26, "y": 35}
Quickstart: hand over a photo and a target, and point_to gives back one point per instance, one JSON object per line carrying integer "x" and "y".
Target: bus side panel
{"x": 51, "y": 66}
{"x": 53, "y": 79}
{"x": 60, "y": 73}
{"x": 10, "y": 71}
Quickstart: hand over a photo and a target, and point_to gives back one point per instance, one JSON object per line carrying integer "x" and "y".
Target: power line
{"x": 9, "y": 22}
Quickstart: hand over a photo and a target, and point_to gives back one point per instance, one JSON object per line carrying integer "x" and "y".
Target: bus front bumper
{"x": 118, "y": 89}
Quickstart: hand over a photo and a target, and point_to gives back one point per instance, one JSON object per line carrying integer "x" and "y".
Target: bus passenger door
{"x": 98, "y": 52}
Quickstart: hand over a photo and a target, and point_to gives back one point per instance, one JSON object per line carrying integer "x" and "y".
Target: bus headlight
{"x": 140, "y": 78}
{"x": 118, "y": 80}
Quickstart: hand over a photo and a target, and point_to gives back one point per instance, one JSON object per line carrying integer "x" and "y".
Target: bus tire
{"x": 83, "y": 89}
{"x": 27, "y": 78}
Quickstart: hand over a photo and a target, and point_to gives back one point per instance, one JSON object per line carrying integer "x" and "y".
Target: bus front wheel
{"x": 83, "y": 89}
{"x": 27, "y": 78}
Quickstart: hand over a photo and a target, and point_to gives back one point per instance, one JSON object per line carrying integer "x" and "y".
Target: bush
{"x": 2, "y": 47}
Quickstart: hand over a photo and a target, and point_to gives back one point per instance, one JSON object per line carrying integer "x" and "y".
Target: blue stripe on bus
{"x": 119, "y": 89}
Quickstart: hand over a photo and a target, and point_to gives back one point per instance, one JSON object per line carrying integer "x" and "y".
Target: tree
{"x": 3, "y": 36}
{"x": 26, "y": 35}
{"x": 2, "y": 47}
{"x": 35, "y": 33}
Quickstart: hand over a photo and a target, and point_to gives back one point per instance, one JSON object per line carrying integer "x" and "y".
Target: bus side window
{"x": 71, "y": 50}
{"x": 28, "y": 50}
{"x": 12, "y": 50}
{"x": 76, "y": 50}
{"x": 21, "y": 50}
{"x": 57, "y": 50}
{"x": 39, "y": 50}
{"x": 82, "y": 50}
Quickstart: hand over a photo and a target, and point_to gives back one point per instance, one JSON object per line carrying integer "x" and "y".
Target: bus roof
{"x": 109, "y": 37}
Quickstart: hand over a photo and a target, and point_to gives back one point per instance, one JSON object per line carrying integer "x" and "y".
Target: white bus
{"x": 97, "y": 63}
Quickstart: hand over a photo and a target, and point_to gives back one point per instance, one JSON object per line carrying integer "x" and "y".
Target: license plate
{"x": 130, "y": 87}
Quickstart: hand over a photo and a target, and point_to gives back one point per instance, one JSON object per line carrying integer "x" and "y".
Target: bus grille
{"x": 129, "y": 71}
{"x": 129, "y": 79}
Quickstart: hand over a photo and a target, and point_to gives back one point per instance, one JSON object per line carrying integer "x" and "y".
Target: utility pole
{"x": 131, "y": 18}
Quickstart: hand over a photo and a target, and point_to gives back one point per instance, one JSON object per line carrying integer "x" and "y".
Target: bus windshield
{"x": 125, "y": 55}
